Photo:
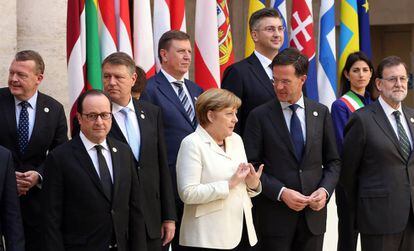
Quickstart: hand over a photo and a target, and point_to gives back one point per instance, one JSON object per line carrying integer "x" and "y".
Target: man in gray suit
{"x": 378, "y": 169}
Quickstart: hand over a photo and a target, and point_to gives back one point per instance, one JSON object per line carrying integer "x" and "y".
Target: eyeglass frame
{"x": 94, "y": 116}
{"x": 273, "y": 29}
{"x": 395, "y": 79}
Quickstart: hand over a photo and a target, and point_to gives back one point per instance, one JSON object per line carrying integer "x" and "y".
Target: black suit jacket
{"x": 158, "y": 197}
{"x": 10, "y": 218}
{"x": 267, "y": 141}
{"x": 377, "y": 180}
{"x": 49, "y": 130}
{"x": 249, "y": 81}
{"x": 77, "y": 214}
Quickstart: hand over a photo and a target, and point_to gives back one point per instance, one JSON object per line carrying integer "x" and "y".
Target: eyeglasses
{"x": 94, "y": 116}
{"x": 273, "y": 29}
{"x": 394, "y": 79}
{"x": 284, "y": 82}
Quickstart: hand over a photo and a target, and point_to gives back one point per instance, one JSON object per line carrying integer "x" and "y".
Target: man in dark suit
{"x": 33, "y": 124}
{"x": 11, "y": 221}
{"x": 251, "y": 78}
{"x": 91, "y": 190}
{"x": 378, "y": 167}
{"x": 139, "y": 124}
{"x": 293, "y": 137}
{"x": 176, "y": 97}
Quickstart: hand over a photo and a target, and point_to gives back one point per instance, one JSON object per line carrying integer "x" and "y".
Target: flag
{"x": 143, "y": 38}
{"x": 225, "y": 38}
{"x": 349, "y": 32}
{"x": 107, "y": 27}
{"x": 364, "y": 31}
{"x": 280, "y": 6}
{"x": 76, "y": 51}
{"x": 206, "y": 56}
{"x": 302, "y": 38}
{"x": 327, "y": 53}
{"x": 168, "y": 15}
{"x": 254, "y": 5}
{"x": 123, "y": 26}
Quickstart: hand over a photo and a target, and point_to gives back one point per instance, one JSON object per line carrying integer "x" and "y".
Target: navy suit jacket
{"x": 249, "y": 81}
{"x": 177, "y": 124}
{"x": 11, "y": 221}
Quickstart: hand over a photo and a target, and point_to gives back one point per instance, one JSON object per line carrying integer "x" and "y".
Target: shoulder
{"x": 112, "y": 142}
{"x": 337, "y": 104}
{"x": 192, "y": 85}
{"x": 4, "y": 153}
{"x": 4, "y": 91}
{"x": 147, "y": 105}
{"x": 49, "y": 100}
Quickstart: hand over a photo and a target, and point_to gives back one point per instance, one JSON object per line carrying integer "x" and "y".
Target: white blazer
{"x": 213, "y": 214}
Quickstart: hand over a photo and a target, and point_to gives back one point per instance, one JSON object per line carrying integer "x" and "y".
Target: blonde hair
{"x": 214, "y": 100}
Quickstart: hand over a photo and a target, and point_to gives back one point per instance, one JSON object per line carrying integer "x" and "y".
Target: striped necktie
{"x": 402, "y": 136}
{"x": 185, "y": 101}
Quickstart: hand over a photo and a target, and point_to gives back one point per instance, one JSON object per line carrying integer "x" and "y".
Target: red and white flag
{"x": 123, "y": 24}
{"x": 143, "y": 38}
{"x": 107, "y": 28}
{"x": 207, "y": 66}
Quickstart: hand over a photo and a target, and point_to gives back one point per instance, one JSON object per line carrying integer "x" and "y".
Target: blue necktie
{"x": 185, "y": 101}
{"x": 296, "y": 132}
{"x": 133, "y": 136}
{"x": 23, "y": 128}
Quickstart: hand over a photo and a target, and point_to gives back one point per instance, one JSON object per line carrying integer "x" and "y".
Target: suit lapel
{"x": 409, "y": 116}
{"x": 144, "y": 125}
{"x": 277, "y": 119}
{"x": 258, "y": 71}
{"x": 212, "y": 144}
{"x": 86, "y": 163}
{"x": 311, "y": 116}
{"x": 116, "y": 131}
{"x": 41, "y": 113}
{"x": 116, "y": 169}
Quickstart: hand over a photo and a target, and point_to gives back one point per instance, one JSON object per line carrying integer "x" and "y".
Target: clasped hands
{"x": 246, "y": 172}
{"x": 25, "y": 181}
{"x": 297, "y": 201}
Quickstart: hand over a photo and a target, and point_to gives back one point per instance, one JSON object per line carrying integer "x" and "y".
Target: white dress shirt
{"x": 300, "y": 112}
{"x": 265, "y": 63}
{"x": 171, "y": 79}
{"x": 388, "y": 110}
{"x": 31, "y": 110}
{"x": 120, "y": 118}
{"x": 90, "y": 148}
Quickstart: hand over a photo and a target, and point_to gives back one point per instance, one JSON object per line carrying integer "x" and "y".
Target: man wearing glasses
{"x": 251, "y": 78}
{"x": 91, "y": 190}
{"x": 378, "y": 168}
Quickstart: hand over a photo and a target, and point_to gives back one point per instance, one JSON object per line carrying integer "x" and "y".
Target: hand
{"x": 25, "y": 181}
{"x": 239, "y": 176}
{"x": 253, "y": 178}
{"x": 167, "y": 231}
{"x": 294, "y": 200}
{"x": 318, "y": 199}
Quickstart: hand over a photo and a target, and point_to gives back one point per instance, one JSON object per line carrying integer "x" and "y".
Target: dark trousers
{"x": 403, "y": 241}
{"x": 33, "y": 238}
{"x": 347, "y": 234}
{"x": 154, "y": 244}
{"x": 299, "y": 240}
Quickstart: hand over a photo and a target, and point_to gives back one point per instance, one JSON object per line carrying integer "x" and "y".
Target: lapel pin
{"x": 46, "y": 110}
{"x": 412, "y": 120}
{"x": 315, "y": 113}
{"x": 195, "y": 98}
{"x": 114, "y": 150}
{"x": 142, "y": 116}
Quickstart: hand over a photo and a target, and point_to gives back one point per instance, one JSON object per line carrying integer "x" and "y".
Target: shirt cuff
{"x": 327, "y": 193}
{"x": 280, "y": 193}
{"x": 39, "y": 184}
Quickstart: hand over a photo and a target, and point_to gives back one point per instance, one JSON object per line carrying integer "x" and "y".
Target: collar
{"x": 89, "y": 144}
{"x": 263, "y": 59}
{"x": 387, "y": 108}
{"x": 300, "y": 102}
{"x": 31, "y": 101}
{"x": 171, "y": 78}
{"x": 116, "y": 107}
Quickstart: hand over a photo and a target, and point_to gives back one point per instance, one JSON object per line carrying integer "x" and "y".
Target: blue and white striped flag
{"x": 280, "y": 5}
{"x": 327, "y": 59}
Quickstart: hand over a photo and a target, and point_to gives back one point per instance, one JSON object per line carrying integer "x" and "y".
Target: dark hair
{"x": 120, "y": 58}
{"x": 31, "y": 55}
{"x": 350, "y": 61}
{"x": 167, "y": 37}
{"x": 92, "y": 92}
{"x": 389, "y": 62}
{"x": 260, "y": 14}
{"x": 292, "y": 56}
{"x": 141, "y": 81}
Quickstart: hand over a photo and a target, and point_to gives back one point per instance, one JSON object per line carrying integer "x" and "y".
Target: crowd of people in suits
{"x": 162, "y": 164}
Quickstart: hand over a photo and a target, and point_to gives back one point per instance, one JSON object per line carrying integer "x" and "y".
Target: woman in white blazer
{"x": 214, "y": 180}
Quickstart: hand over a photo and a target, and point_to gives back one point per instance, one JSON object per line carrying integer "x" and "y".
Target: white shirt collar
{"x": 89, "y": 144}
{"x": 169, "y": 77}
{"x": 263, "y": 59}
{"x": 300, "y": 102}
{"x": 387, "y": 108}
{"x": 116, "y": 107}
{"x": 31, "y": 101}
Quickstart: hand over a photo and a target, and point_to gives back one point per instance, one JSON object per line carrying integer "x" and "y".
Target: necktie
{"x": 402, "y": 136}
{"x": 185, "y": 102}
{"x": 296, "y": 132}
{"x": 133, "y": 137}
{"x": 23, "y": 128}
{"x": 104, "y": 172}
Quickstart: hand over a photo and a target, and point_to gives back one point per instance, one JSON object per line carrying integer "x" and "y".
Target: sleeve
{"x": 12, "y": 226}
{"x": 254, "y": 143}
{"x": 340, "y": 117}
{"x": 189, "y": 171}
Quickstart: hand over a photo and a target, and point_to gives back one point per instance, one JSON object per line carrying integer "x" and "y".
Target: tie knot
{"x": 24, "y": 104}
{"x": 294, "y": 107}
{"x": 396, "y": 115}
{"x": 98, "y": 148}
{"x": 178, "y": 83}
{"x": 125, "y": 111}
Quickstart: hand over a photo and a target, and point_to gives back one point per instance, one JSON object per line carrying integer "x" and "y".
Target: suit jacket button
{"x": 300, "y": 170}
{"x": 112, "y": 212}
{"x": 138, "y": 167}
